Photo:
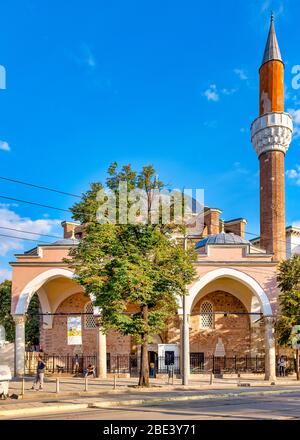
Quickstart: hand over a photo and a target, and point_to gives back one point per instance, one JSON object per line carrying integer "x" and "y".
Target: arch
{"x": 36, "y": 284}
{"x": 242, "y": 277}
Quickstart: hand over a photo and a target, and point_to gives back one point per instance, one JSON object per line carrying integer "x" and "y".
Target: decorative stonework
{"x": 272, "y": 131}
{"x": 19, "y": 319}
{"x": 220, "y": 349}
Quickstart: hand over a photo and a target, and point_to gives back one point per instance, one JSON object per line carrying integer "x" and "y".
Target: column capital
{"x": 269, "y": 320}
{"x": 19, "y": 319}
{"x": 181, "y": 317}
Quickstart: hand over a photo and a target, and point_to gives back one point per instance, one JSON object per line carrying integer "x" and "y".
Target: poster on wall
{"x": 74, "y": 330}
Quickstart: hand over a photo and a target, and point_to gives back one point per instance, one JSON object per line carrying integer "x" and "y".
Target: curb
{"x": 133, "y": 402}
{"x": 156, "y": 401}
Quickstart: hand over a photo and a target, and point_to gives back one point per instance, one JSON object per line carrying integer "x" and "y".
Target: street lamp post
{"x": 185, "y": 337}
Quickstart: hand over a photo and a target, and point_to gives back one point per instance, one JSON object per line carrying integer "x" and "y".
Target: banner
{"x": 74, "y": 330}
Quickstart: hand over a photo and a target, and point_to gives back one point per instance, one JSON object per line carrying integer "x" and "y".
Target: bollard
{"x": 57, "y": 385}
{"x": 23, "y": 387}
{"x": 86, "y": 384}
{"x": 211, "y": 379}
{"x": 172, "y": 377}
{"x": 115, "y": 381}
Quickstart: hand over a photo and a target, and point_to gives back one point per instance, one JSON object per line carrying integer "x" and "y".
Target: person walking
{"x": 76, "y": 365}
{"x": 282, "y": 366}
{"x": 40, "y": 371}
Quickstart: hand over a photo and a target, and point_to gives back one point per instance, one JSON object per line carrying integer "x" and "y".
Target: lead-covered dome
{"x": 222, "y": 238}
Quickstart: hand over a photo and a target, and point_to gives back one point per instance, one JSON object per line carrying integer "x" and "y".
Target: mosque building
{"x": 230, "y": 306}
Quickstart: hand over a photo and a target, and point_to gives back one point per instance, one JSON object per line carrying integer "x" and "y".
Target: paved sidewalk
{"x": 101, "y": 393}
{"x": 72, "y": 386}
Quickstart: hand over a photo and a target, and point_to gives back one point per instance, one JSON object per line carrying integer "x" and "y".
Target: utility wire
{"x": 39, "y": 187}
{"x": 27, "y": 239}
{"x": 29, "y": 232}
{"x": 75, "y": 195}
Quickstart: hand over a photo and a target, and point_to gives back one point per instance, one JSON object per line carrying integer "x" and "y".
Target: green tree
{"x": 32, "y": 326}
{"x": 135, "y": 264}
{"x": 289, "y": 283}
{"x": 6, "y": 319}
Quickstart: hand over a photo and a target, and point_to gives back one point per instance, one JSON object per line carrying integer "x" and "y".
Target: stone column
{"x": 270, "y": 356}
{"x": 101, "y": 353}
{"x": 19, "y": 344}
{"x": 185, "y": 344}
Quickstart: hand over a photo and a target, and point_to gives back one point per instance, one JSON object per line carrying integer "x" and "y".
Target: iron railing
{"x": 57, "y": 363}
{"x": 130, "y": 364}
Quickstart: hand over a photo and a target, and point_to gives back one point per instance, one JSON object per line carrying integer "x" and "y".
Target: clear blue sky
{"x": 170, "y": 83}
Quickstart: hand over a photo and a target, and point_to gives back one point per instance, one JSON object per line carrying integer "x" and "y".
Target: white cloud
{"x": 86, "y": 56}
{"x": 294, "y": 174}
{"x": 276, "y": 5}
{"x": 241, "y": 74}
{"x": 10, "y": 219}
{"x": 228, "y": 91}
{"x": 4, "y": 146}
{"x": 5, "y": 274}
{"x": 211, "y": 93}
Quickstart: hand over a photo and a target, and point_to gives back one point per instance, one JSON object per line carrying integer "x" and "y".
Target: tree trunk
{"x": 144, "y": 370}
{"x": 297, "y": 364}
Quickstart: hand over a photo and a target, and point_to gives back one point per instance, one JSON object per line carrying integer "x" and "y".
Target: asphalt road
{"x": 276, "y": 407}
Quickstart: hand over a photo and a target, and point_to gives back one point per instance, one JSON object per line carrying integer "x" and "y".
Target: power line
{"x": 29, "y": 232}
{"x": 76, "y": 195}
{"x": 23, "y": 238}
{"x": 34, "y": 203}
{"x": 39, "y": 187}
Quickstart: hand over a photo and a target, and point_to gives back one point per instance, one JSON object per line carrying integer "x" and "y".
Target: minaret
{"x": 271, "y": 134}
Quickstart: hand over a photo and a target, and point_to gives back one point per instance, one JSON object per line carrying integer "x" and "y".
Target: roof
{"x": 222, "y": 238}
{"x": 65, "y": 242}
{"x": 272, "y": 51}
{"x": 62, "y": 242}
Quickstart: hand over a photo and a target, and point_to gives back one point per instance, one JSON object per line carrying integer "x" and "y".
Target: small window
{"x": 89, "y": 319}
{"x": 206, "y": 315}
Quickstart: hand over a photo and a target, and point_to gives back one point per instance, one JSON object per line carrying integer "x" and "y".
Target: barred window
{"x": 206, "y": 316}
{"x": 89, "y": 320}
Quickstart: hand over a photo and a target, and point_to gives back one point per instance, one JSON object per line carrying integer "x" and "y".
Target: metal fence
{"x": 58, "y": 364}
{"x": 130, "y": 364}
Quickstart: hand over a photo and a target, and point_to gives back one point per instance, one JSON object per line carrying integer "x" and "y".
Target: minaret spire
{"x": 272, "y": 51}
{"x": 271, "y": 134}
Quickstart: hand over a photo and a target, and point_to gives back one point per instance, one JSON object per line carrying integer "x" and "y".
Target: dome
{"x": 222, "y": 238}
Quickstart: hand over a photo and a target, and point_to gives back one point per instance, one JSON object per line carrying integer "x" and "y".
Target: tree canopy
{"x": 137, "y": 264}
{"x": 289, "y": 283}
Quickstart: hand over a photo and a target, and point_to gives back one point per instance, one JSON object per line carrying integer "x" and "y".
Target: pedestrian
{"x": 90, "y": 370}
{"x": 40, "y": 371}
{"x": 152, "y": 369}
{"x": 282, "y": 366}
{"x": 76, "y": 365}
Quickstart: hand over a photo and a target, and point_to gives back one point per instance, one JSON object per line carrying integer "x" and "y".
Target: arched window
{"x": 206, "y": 316}
{"x": 89, "y": 320}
